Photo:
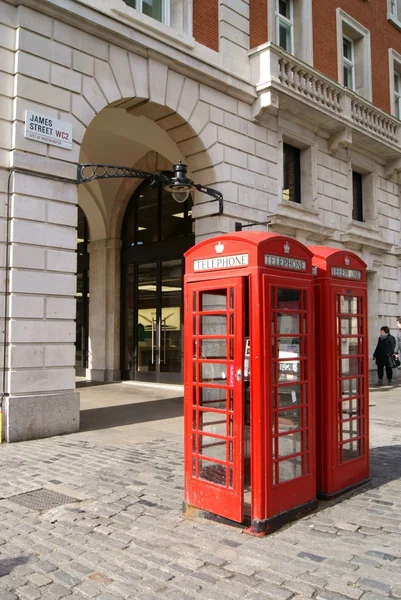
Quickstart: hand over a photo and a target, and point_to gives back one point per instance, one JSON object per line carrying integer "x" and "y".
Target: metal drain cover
{"x": 42, "y": 499}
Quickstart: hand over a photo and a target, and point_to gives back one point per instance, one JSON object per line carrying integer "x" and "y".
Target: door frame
{"x": 206, "y": 495}
{"x": 152, "y": 253}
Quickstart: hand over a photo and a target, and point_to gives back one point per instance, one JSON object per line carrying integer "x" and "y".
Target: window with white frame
{"x": 353, "y": 52}
{"x": 394, "y": 60}
{"x": 285, "y": 24}
{"x": 394, "y": 10}
{"x": 290, "y": 26}
{"x": 348, "y": 62}
{"x": 156, "y": 9}
{"x": 397, "y": 94}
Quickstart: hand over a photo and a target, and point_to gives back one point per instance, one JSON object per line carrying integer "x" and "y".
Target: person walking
{"x": 383, "y": 355}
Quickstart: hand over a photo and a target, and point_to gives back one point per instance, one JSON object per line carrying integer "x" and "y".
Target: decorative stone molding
{"x": 340, "y": 139}
{"x": 267, "y": 103}
{"x": 360, "y": 235}
{"x": 392, "y": 168}
{"x": 291, "y": 218}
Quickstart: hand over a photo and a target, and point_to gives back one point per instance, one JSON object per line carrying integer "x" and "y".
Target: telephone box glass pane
{"x": 289, "y": 347}
{"x": 213, "y": 472}
{"x": 350, "y": 366}
{"x": 349, "y": 387}
{"x": 289, "y": 371}
{"x": 289, "y": 395}
{"x": 213, "y": 447}
{"x": 351, "y": 450}
{"x": 350, "y": 346}
{"x": 213, "y": 397}
{"x": 349, "y": 326}
{"x": 213, "y": 325}
{"x": 290, "y": 444}
{"x": 213, "y": 372}
{"x": 290, "y": 469}
{"x": 349, "y": 305}
{"x": 289, "y": 419}
{"x": 288, "y": 299}
{"x": 213, "y": 300}
{"x": 212, "y": 422}
{"x": 288, "y": 323}
{"x": 213, "y": 348}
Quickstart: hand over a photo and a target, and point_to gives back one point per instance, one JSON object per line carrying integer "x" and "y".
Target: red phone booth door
{"x": 351, "y": 376}
{"x": 214, "y": 401}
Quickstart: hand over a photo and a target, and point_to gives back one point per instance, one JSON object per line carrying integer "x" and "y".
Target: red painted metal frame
{"x": 281, "y": 494}
{"x": 267, "y": 500}
{"x": 336, "y": 471}
{"x": 215, "y": 482}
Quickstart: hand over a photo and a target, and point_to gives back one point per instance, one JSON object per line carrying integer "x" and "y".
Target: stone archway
{"x": 137, "y": 113}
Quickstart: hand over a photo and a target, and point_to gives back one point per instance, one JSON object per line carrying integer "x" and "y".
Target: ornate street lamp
{"x": 176, "y": 182}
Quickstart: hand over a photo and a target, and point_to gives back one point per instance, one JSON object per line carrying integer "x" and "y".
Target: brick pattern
{"x": 206, "y": 23}
{"x": 373, "y": 16}
{"x": 257, "y": 22}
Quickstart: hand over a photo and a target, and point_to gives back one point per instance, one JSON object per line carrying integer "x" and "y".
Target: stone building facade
{"x": 233, "y": 88}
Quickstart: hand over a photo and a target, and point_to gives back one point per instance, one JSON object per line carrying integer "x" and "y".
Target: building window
{"x": 394, "y": 61}
{"x": 357, "y": 196}
{"x": 394, "y": 9}
{"x": 290, "y": 26}
{"x": 291, "y": 173}
{"x": 348, "y": 62}
{"x": 156, "y": 9}
{"x": 353, "y": 52}
{"x": 285, "y": 24}
{"x": 397, "y": 94}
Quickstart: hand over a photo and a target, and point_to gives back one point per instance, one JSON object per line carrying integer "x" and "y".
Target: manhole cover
{"x": 42, "y": 499}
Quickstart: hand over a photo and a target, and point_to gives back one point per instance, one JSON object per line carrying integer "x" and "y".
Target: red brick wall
{"x": 257, "y": 22}
{"x": 383, "y": 35}
{"x": 206, "y": 23}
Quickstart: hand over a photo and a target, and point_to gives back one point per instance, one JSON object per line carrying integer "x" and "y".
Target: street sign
{"x": 48, "y": 130}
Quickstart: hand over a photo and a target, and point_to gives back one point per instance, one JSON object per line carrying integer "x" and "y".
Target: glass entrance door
{"x": 157, "y": 327}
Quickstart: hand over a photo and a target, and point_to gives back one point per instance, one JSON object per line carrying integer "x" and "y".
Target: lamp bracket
{"x": 87, "y": 172}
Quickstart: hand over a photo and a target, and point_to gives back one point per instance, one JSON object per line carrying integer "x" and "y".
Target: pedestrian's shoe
{"x": 380, "y": 382}
{"x": 390, "y": 381}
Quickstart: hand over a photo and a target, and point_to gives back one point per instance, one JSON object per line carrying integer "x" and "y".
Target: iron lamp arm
{"x": 216, "y": 195}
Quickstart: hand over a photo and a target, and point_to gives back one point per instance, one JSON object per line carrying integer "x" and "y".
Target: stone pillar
{"x": 40, "y": 398}
{"x": 104, "y": 310}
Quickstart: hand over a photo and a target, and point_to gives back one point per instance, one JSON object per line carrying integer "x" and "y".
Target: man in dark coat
{"x": 383, "y": 354}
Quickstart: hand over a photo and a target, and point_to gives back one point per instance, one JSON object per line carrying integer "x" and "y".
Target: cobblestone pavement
{"x": 122, "y": 534}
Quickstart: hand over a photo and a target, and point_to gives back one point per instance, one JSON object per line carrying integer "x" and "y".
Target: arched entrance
{"x": 156, "y": 232}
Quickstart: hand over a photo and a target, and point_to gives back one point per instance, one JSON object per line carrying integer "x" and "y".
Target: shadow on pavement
{"x": 129, "y": 414}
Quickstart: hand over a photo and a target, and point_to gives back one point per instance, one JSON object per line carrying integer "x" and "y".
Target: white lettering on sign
{"x": 48, "y": 130}
{"x": 221, "y": 262}
{"x": 285, "y": 262}
{"x": 346, "y": 273}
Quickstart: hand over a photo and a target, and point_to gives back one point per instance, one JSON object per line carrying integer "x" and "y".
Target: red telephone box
{"x": 342, "y": 387}
{"x": 249, "y": 379}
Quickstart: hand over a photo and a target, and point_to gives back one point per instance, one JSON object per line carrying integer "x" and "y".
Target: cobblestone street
{"x": 122, "y": 535}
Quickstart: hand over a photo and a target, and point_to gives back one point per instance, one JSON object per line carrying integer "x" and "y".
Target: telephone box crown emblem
{"x": 346, "y": 260}
{"x": 219, "y": 247}
{"x": 286, "y": 248}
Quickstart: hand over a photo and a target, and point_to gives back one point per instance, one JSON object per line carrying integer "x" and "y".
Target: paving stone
{"x": 346, "y": 590}
{"x": 372, "y": 584}
{"x": 30, "y": 592}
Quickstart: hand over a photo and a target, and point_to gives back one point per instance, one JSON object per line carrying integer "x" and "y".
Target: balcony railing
{"x": 274, "y": 69}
